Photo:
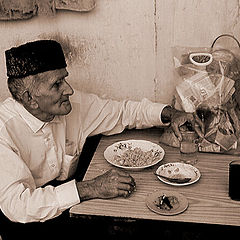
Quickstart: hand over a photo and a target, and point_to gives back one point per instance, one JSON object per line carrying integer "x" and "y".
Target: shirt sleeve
{"x": 105, "y": 116}
{"x": 20, "y": 199}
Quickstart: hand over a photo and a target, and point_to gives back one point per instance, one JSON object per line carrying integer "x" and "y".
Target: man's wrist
{"x": 86, "y": 190}
{"x": 167, "y": 114}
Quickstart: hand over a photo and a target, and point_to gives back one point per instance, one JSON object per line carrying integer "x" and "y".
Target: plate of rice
{"x": 134, "y": 154}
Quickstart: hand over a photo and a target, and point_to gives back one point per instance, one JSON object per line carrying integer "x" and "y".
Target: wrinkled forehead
{"x": 51, "y": 76}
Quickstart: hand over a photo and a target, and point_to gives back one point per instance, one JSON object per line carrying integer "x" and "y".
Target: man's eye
{"x": 57, "y": 84}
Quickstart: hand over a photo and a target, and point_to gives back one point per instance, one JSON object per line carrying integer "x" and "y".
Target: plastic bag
{"x": 208, "y": 82}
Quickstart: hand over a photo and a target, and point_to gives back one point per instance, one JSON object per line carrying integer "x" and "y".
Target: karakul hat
{"x": 34, "y": 57}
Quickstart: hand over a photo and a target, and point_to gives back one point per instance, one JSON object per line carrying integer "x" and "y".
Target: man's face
{"x": 52, "y": 93}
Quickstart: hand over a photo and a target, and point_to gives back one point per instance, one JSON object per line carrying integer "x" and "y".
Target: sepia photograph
{"x": 119, "y": 119}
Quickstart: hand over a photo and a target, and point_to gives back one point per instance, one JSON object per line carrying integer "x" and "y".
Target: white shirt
{"x": 33, "y": 153}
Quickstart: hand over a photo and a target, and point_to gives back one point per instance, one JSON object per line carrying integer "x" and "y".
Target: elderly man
{"x": 42, "y": 135}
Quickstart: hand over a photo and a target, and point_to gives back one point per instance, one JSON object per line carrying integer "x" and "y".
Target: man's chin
{"x": 67, "y": 107}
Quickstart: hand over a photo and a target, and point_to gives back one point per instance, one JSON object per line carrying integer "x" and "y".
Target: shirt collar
{"x": 34, "y": 123}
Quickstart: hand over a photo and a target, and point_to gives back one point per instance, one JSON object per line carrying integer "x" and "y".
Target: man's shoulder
{"x": 83, "y": 97}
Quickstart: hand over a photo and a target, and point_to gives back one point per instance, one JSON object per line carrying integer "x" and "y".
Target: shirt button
{"x": 53, "y": 165}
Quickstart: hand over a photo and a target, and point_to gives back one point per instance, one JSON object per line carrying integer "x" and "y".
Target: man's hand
{"x": 178, "y": 118}
{"x": 112, "y": 183}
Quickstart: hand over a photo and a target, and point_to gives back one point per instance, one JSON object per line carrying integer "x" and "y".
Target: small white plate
{"x": 132, "y": 154}
{"x": 187, "y": 170}
{"x": 181, "y": 202}
{"x": 195, "y": 57}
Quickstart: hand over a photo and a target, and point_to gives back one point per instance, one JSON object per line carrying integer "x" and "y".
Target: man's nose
{"x": 67, "y": 89}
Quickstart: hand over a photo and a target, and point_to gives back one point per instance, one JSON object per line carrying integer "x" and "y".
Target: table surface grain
{"x": 208, "y": 198}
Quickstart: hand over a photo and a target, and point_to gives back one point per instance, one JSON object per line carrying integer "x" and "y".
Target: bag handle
{"x": 226, "y": 35}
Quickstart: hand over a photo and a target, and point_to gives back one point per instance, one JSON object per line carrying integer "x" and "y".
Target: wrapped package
{"x": 208, "y": 83}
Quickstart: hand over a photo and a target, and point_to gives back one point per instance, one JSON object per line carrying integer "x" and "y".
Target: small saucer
{"x": 179, "y": 205}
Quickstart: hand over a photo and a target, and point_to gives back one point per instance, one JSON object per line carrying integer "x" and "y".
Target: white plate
{"x": 209, "y": 55}
{"x": 181, "y": 205}
{"x": 188, "y": 170}
{"x": 116, "y": 154}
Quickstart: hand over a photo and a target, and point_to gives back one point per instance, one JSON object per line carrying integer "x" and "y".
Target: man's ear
{"x": 29, "y": 101}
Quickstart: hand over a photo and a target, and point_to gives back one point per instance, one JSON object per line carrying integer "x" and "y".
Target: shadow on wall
{"x": 75, "y": 50}
{"x": 70, "y": 51}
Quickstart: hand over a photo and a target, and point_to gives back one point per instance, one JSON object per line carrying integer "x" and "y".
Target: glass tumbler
{"x": 188, "y": 147}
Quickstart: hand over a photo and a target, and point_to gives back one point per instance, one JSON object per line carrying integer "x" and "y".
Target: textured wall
{"x": 122, "y": 48}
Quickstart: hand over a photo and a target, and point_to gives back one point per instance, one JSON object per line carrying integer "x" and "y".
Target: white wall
{"x": 122, "y": 49}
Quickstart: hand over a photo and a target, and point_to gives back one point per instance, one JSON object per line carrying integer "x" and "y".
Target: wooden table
{"x": 208, "y": 198}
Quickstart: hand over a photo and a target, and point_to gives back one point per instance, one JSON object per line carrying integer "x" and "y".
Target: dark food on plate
{"x": 166, "y": 202}
{"x": 201, "y": 58}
